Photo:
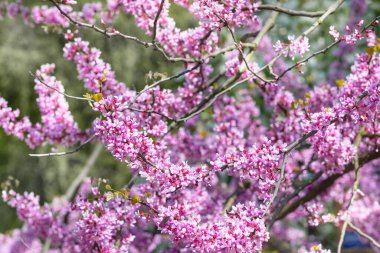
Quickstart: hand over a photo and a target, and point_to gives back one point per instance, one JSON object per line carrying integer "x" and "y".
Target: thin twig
{"x": 285, "y": 200}
{"x": 290, "y": 12}
{"x": 66, "y": 152}
{"x": 323, "y": 186}
{"x": 150, "y": 112}
{"x": 55, "y": 89}
{"x": 278, "y": 184}
{"x": 97, "y": 29}
{"x": 238, "y": 47}
{"x": 293, "y": 145}
{"x": 298, "y": 63}
{"x": 151, "y": 86}
{"x": 363, "y": 234}
{"x": 156, "y": 20}
{"x": 230, "y": 83}
{"x": 355, "y": 188}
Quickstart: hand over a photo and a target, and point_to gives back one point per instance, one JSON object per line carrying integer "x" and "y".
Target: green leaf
{"x": 135, "y": 200}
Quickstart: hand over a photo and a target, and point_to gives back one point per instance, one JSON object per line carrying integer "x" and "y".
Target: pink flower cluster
{"x": 57, "y": 125}
{"x": 81, "y": 227}
{"x": 295, "y": 47}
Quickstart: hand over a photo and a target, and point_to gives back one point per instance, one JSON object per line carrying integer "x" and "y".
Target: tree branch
{"x": 355, "y": 188}
{"x": 366, "y": 236}
{"x": 66, "y": 152}
{"x": 290, "y": 12}
{"x": 324, "y": 185}
{"x": 156, "y": 20}
{"x": 278, "y": 184}
{"x": 60, "y": 92}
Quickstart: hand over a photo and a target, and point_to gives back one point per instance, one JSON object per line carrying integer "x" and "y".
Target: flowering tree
{"x": 232, "y": 160}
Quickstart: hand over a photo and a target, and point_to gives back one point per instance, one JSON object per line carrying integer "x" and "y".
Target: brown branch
{"x": 375, "y": 135}
{"x": 355, "y": 188}
{"x": 150, "y": 112}
{"x": 173, "y": 59}
{"x": 324, "y": 185}
{"x": 290, "y": 12}
{"x": 97, "y": 29}
{"x": 295, "y": 144}
{"x": 286, "y": 200}
{"x": 156, "y": 20}
{"x": 298, "y": 63}
{"x": 148, "y": 87}
{"x": 66, "y": 152}
{"x": 238, "y": 47}
{"x": 60, "y": 92}
{"x": 366, "y": 236}
{"x": 278, "y": 184}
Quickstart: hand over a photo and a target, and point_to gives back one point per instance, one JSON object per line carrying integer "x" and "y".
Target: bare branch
{"x": 60, "y": 92}
{"x": 238, "y": 47}
{"x": 366, "y": 236}
{"x": 278, "y": 184}
{"x": 99, "y": 30}
{"x": 295, "y": 144}
{"x": 298, "y": 63}
{"x": 156, "y": 20}
{"x": 375, "y": 135}
{"x": 285, "y": 200}
{"x": 150, "y": 112}
{"x": 66, "y": 152}
{"x": 290, "y": 12}
{"x": 355, "y": 188}
{"x": 148, "y": 87}
{"x": 323, "y": 186}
